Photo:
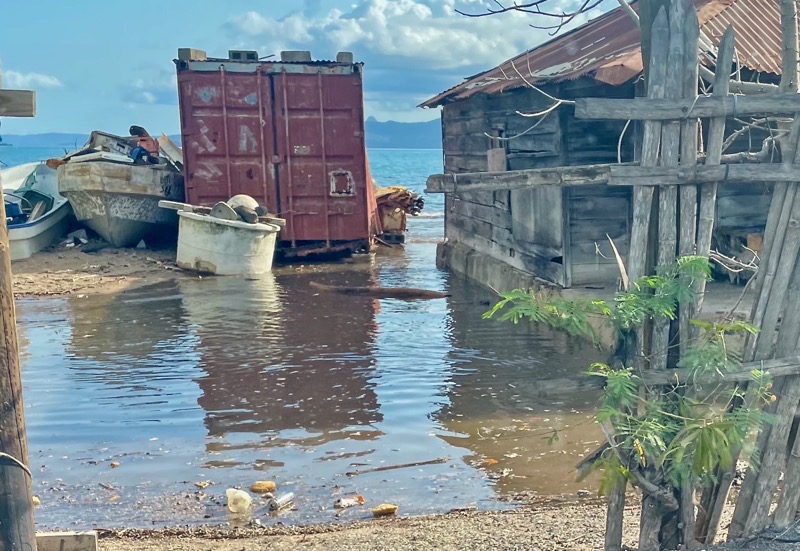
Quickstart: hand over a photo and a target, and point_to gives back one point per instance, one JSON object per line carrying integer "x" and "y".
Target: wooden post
{"x": 668, "y": 195}
{"x": 17, "y": 531}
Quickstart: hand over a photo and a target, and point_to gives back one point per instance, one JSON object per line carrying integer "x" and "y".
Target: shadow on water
{"x": 132, "y": 398}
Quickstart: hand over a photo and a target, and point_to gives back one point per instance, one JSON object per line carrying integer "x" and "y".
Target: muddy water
{"x": 133, "y": 398}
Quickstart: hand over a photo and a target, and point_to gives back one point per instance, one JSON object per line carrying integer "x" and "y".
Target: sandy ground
{"x": 60, "y": 270}
{"x": 543, "y": 527}
{"x": 546, "y": 527}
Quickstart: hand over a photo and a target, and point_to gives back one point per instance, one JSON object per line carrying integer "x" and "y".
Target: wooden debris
{"x": 406, "y": 293}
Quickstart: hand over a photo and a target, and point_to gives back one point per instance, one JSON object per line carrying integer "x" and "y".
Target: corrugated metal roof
{"x": 608, "y": 48}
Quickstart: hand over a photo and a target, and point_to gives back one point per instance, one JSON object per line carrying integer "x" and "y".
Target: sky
{"x": 105, "y": 65}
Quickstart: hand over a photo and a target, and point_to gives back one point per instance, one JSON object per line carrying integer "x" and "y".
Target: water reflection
{"x": 234, "y": 379}
{"x": 524, "y": 409}
{"x": 271, "y": 369}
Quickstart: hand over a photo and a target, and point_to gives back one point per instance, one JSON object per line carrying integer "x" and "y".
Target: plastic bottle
{"x": 344, "y": 502}
{"x": 239, "y": 501}
{"x": 280, "y": 502}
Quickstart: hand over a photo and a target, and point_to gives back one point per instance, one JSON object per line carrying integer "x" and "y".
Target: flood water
{"x": 133, "y": 398}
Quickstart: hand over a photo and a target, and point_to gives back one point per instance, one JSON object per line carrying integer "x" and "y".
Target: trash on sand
{"x": 384, "y": 509}
{"x": 115, "y": 464}
{"x": 239, "y": 501}
{"x": 344, "y": 502}
{"x": 263, "y": 486}
{"x": 281, "y": 502}
{"x": 36, "y": 501}
{"x": 203, "y": 484}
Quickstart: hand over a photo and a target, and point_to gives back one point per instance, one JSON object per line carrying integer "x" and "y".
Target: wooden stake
{"x": 716, "y": 134}
{"x": 687, "y": 222}
{"x": 670, "y": 150}
{"x": 615, "y": 515}
{"x": 17, "y": 531}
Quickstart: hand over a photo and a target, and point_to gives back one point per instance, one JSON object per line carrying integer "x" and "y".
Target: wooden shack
{"x": 560, "y": 234}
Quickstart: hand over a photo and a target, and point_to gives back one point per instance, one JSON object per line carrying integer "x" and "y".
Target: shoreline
{"x": 60, "y": 271}
{"x": 543, "y": 526}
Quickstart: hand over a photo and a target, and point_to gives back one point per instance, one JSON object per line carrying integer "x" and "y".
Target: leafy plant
{"x": 684, "y": 430}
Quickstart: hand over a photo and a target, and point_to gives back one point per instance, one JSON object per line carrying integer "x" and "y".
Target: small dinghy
{"x": 36, "y": 214}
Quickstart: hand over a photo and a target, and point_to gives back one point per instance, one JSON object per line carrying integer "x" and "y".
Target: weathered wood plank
{"x": 624, "y": 175}
{"x": 650, "y": 109}
{"x": 66, "y": 541}
{"x": 540, "y": 267}
{"x": 687, "y": 221}
{"x": 668, "y": 195}
{"x": 786, "y": 511}
{"x": 781, "y": 367}
{"x": 772, "y": 459}
{"x": 643, "y": 196}
{"x": 615, "y": 515}
{"x": 716, "y": 135}
{"x": 632, "y": 175}
{"x": 536, "y": 216}
{"x": 516, "y": 179}
{"x": 17, "y": 103}
{"x": 497, "y": 216}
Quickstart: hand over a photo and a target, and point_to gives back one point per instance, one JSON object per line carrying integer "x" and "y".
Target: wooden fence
{"x": 668, "y": 175}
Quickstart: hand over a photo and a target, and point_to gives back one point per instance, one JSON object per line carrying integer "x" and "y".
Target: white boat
{"x": 36, "y": 214}
{"x": 120, "y": 201}
{"x": 222, "y": 247}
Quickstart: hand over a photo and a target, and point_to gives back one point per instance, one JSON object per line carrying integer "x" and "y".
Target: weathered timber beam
{"x": 17, "y": 103}
{"x": 661, "y": 175}
{"x": 775, "y": 368}
{"x": 515, "y": 179}
{"x": 740, "y": 87}
{"x": 646, "y": 109}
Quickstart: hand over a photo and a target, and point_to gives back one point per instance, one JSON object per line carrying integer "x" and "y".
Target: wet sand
{"x": 542, "y": 527}
{"x": 62, "y": 271}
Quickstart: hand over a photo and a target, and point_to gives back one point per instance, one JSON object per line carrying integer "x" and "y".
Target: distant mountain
{"x": 390, "y": 134}
{"x": 404, "y": 135}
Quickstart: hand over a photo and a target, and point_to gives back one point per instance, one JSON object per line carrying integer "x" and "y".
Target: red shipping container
{"x": 288, "y": 133}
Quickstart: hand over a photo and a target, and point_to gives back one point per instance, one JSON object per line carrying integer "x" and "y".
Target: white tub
{"x": 224, "y": 247}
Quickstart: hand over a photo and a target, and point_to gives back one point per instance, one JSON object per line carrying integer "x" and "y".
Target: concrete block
{"x": 66, "y": 541}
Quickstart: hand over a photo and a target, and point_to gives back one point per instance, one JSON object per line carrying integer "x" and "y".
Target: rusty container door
{"x": 322, "y": 175}
{"x": 226, "y": 129}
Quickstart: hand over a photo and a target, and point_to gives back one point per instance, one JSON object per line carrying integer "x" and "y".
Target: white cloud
{"x": 16, "y": 79}
{"x": 160, "y": 88}
{"x": 417, "y": 31}
{"x": 412, "y": 49}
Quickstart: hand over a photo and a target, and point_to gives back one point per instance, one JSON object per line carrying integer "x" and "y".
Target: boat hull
{"x": 120, "y": 202}
{"x": 31, "y": 238}
{"x": 224, "y": 247}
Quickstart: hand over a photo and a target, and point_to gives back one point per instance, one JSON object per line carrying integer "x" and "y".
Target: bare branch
{"x": 538, "y": 7}
{"x": 629, "y": 10}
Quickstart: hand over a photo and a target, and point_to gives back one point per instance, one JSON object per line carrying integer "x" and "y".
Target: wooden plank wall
{"x": 561, "y": 231}
{"x": 522, "y": 228}
{"x": 743, "y": 207}
{"x": 597, "y": 212}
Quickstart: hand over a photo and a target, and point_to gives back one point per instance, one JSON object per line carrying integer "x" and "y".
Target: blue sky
{"x": 107, "y": 65}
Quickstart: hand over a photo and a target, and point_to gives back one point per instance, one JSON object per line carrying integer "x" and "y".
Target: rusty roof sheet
{"x": 608, "y": 49}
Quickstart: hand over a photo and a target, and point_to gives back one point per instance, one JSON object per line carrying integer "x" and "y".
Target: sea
{"x": 143, "y": 407}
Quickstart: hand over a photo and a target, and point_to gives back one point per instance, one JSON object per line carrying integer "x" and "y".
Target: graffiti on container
{"x": 206, "y": 94}
{"x": 247, "y": 141}
{"x": 209, "y": 145}
{"x": 208, "y": 171}
{"x": 301, "y": 150}
{"x": 342, "y": 184}
{"x": 250, "y": 99}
